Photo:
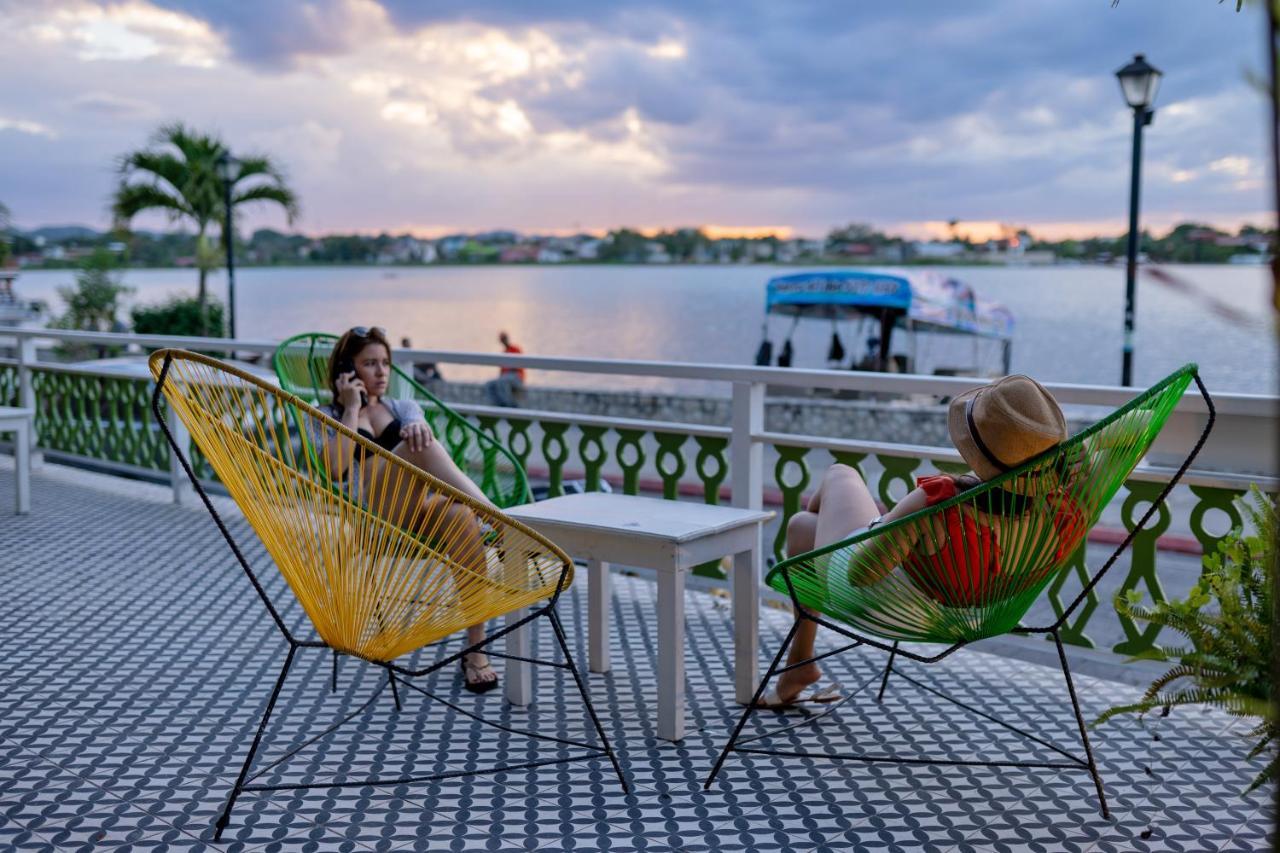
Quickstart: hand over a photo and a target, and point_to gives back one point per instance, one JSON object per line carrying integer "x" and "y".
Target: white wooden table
{"x": 671, "y": 537}
{"x": 20, "y": 422}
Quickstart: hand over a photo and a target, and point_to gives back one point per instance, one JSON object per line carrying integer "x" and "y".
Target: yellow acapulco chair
{"x": 377, "y": 580}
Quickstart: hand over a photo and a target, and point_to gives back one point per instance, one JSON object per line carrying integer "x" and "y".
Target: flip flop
{"x": 808, "y": 696}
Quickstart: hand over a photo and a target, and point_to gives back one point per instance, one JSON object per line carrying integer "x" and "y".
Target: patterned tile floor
{"x": 137, "y": 661}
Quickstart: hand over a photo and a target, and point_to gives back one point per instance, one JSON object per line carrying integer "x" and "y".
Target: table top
{"x": 672, "y": 521}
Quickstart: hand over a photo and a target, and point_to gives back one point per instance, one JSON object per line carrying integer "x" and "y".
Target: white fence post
{"x": 27, "y": 395}
{"x": 182, "y": 490}
{"x": 746, "y": 454}
{"x": 746, "y": 471}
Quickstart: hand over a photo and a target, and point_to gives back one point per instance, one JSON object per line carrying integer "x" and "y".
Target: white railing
{"x": 1241, "y": 449}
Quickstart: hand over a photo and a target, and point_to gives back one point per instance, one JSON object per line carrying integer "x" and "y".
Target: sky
{"x": 560, "y": 116}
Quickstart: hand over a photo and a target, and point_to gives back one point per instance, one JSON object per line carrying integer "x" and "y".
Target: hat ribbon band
{"x": 977, "y": 438}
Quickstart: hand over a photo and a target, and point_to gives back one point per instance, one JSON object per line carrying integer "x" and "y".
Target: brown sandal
{"x": 476, "y": 686}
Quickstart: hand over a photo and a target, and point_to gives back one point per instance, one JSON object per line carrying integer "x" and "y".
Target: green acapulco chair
{"x": 302, "y": 365}
{"x": 938, "y": 576}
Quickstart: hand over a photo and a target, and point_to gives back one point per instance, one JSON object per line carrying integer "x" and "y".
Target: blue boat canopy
{"x": 926, "y": 300}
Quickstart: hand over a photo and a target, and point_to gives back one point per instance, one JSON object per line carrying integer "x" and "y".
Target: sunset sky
{"x": 566, "y": 115}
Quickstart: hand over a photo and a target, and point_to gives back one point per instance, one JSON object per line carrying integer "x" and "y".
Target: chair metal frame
{"x": 396, "y": 673}
{"x": 1073, "y": 762}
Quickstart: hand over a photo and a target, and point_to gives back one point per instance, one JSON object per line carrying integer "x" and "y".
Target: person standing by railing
{"x": 509, "y": 386}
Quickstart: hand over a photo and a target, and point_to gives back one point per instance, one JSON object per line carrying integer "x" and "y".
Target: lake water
{"x": 1068, "y": 319}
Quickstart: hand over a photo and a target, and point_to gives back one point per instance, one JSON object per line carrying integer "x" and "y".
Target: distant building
{"x": 408, "y": 250}
{"x": 548, "y": 255}
{"x": 656, "y": 253}
{"x": 935, "y": 249}
{"x": 519, "y": 254}
{"x": 449, "y": 247}
{"x": 855, "y": 250}
{"x": 588, "y": 249}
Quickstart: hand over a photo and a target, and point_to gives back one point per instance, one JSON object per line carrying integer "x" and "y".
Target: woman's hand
{"x": 349, "y": 390}
{"x": 417, "y": 436}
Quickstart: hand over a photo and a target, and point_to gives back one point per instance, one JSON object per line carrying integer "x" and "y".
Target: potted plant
{"x": 1226, "y": 619}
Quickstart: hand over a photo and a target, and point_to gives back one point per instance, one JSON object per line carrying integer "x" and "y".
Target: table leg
{"x": 670, "y": 654}
{"x": 518, "y": 674}
{"x": 22, "y": 468}
{"x": 599, "y": 583}
{"x": 746, "y": 621}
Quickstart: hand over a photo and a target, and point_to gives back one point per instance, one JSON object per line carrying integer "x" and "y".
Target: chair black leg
{"x": 742, "y": 721}
{"x": 333, "y": 682}
{"x": 888, "y": 668}
{"x": 1084, "y": 733}
{"x": 257, "y": 739}
{"x": 582, "y": 690}
{"x": 395, "y": 692}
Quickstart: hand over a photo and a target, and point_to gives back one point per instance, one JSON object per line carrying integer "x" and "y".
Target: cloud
{"x": 31, "y": 128}
{"x": 120, "y": 31}
{"x": 108, "y": 104}
{"x": 658, "y": 113}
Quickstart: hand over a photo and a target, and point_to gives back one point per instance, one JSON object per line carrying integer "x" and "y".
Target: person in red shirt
{"x": 996, "y": 428}
{"x": 509, "y": 386}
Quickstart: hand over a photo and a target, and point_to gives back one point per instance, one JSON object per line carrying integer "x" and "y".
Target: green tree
{"x": 624, "y": 245}
{"x": 93, "y": 303}
{"x": 178, "y": 175}
{"x": 179, "y": 316}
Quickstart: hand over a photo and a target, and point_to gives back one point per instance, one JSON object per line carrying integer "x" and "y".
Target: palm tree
{"x": 178, "y": 174}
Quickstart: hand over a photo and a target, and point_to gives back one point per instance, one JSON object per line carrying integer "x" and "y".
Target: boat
{"x": 13, "y": 311}
{"x": 881, "y": 302}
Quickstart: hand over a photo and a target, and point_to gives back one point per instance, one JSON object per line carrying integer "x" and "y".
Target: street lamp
{"x": 228, "y": 169}
{"x": 1139, "y": 81}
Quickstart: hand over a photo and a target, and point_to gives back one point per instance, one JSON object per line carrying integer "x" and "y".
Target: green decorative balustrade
{"x": 8, "y": 385}
{"x": 109, "y": 418}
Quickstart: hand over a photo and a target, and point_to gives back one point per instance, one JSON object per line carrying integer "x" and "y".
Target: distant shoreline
{"x": 949, "y": 262}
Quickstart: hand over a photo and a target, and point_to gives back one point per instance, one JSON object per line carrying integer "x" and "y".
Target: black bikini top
{"x": 388, "y": 438}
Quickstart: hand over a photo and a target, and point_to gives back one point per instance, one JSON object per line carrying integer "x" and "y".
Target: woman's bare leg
{"x": 461, "y": 527}
{"x": 841, "y": 504}
{"x": 436, "y": 461}
{"x": 433, "y": 515}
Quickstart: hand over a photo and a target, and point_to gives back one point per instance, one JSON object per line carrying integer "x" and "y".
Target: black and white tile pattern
{"x": 137, "y": 661}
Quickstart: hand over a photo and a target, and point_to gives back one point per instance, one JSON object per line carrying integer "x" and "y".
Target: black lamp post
{"x": 227, "y": 168}
{"x": 1139, "y": 81}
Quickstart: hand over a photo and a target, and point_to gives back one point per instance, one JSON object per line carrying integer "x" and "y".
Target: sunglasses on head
{"x": 365, "y": 331}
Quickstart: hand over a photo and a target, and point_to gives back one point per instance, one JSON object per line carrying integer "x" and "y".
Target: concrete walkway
{"x": 137, "y": 661}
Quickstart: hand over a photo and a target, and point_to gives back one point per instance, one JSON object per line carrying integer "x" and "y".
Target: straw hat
{"x": 999, "y": 426}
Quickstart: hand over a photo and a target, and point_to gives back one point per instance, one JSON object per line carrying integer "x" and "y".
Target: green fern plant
{"x": 1227, "y": 621}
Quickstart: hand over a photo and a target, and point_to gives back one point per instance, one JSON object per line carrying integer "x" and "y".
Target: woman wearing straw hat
{"x": 996, "y": 428}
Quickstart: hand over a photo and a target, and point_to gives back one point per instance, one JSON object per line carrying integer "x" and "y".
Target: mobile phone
{"x": 348, "y": 365}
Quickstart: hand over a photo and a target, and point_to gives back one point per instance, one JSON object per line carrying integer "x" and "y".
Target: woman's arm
{"x": 413, "y": 423}
{"x": 339, "y": 449}
{"x": 875, "y": 557}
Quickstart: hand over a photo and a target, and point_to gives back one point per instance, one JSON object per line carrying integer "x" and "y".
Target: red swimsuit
{"x": 966, "y": 570}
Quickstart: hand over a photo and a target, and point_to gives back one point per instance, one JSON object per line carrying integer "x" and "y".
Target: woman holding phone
{"x": 359, "y": 376}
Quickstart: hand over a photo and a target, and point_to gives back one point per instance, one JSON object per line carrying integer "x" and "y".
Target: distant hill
{"x": 54, "y": 233}
{"x": 58, "y": 233}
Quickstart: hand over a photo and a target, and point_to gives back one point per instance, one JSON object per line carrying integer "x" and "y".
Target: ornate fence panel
{"x": 107, "y": 418}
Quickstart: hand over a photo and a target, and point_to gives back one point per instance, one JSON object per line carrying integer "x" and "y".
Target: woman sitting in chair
{"x": 954, "y": 558}
{"x": 359, "y": 376}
